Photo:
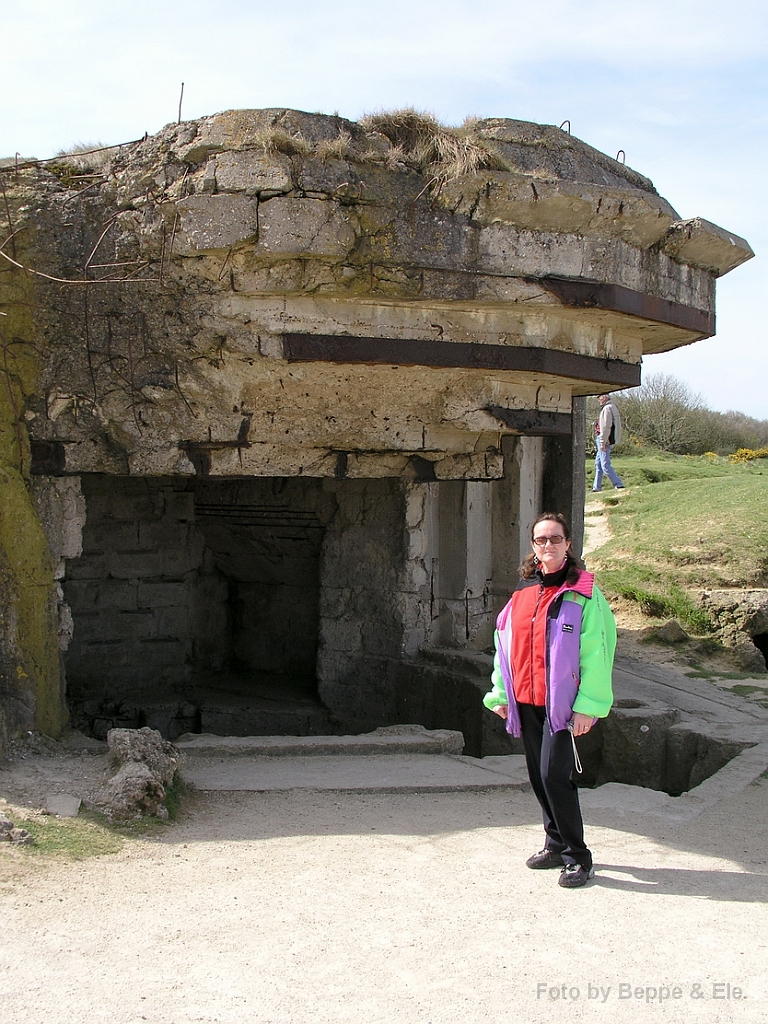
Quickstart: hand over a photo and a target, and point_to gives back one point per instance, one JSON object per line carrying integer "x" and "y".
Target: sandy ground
{"x": 338, "y": 908}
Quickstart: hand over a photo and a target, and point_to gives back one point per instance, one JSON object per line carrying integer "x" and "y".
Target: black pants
{"x": 550, "y": 764}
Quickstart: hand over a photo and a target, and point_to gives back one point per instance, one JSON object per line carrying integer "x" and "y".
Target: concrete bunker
{"x": 287, "y": 392}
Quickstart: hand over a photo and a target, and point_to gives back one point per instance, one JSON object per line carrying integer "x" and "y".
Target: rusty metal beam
{"x": 615, "y": 298}
{"x": 532, "y": 421}
{"x": 342, "y": 348}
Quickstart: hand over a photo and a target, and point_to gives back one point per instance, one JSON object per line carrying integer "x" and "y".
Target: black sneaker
{"x": 573, "y": 876}
{"x": 544, "y": 859}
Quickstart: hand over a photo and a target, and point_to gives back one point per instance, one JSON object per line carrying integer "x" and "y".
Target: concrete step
{"x": 394, "y": 759}
{"x": 393, "y": 739}
{"x": 380, "y": 773}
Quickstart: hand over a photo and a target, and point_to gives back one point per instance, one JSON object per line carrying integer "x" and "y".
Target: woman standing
{"x": 555, "y": 641}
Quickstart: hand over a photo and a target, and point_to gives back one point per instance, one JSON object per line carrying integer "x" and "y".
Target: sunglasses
{"x": 542, "y": 542}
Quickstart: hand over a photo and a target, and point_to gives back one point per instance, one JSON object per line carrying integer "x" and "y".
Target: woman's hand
{"x": 501, "y": 710}
{"x": 581, "y": 723}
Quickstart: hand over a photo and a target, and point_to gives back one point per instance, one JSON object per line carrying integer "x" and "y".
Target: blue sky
{"x": 680, "y": 86}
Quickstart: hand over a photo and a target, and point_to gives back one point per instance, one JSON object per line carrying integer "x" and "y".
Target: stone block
{"x": 215, "y": 222}
{"x": 331, "y": 177}
{"x": 120, "y": 499}
{"x": 507, "y": 250}
{"x": 253, "y": 172}
{"x": 61, "y": 507}
{"x": 341, "y": 634}
{"x": 180, "y": 505}
{"x": 108, "y": 535}
{"x": 99, "y": 595}
{"x": 415, "y": 505}
{"x": 479, "y": 466}
{"x": 178, "y": 561}
{"x": 639, "y": 217}
{"x": 305, "y": 227}
{"x": 163, "y": 534}
{"x": 417, "y": 234}
{"x": 127, "y": 565}
{"x": 134, "y": 791}
{"x": 171, "y": 658}
{"x": 63, "y": 805}
{"x": 146, "y": 746}
{"x": 113, "y": 625}
{"x": 174, "y": 623}
{"x": 162, "y": 595}
{"x": 706, "y": 245}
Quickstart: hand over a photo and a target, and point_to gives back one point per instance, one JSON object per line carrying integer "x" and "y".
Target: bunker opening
{"x": 196, "y": 605}
{"x": 760, "y": 640}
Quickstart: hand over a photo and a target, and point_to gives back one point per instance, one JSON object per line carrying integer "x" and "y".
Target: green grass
{"x": 698, "y": 672}
{"x": 746, "y": 690}
{"x": 92, "y": 834}
{"x": 77, "y": 838}
{"x": 685, "y": 523}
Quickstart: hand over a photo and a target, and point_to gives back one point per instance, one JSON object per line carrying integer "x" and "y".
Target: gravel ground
{"x": 325, "y": 907}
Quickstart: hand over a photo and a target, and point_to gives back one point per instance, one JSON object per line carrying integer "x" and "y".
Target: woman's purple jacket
{"x": 581, "y": 640}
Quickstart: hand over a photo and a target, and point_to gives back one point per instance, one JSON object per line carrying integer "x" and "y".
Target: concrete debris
{"x": 741, "y": 618}
{"x": 20, "y": 837}
{"x": 146, "y": 746}
{"x": 394, "y": 739}
{"x": 146, "y": 765}
{"x": 63, "y": 805}
{"x": 671, "y": 632}
{"x": 10, "y": 834}
{"x": 133, "y": 792}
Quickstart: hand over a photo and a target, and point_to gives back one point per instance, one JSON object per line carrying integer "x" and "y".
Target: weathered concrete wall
{"x": 251, "y": 228}
{"x": 399, "y": 317}
{"x": 31, "y": 685}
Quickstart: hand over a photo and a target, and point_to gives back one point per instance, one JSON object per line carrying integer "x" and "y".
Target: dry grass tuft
{"x": 339, "y": 148}
{"x": 276, "y": 140}
{"x": 87, "y": 157}
{"x": 427, "y": 146}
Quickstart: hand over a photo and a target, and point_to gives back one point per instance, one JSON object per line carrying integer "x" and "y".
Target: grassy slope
{"x": 683, "y": 523}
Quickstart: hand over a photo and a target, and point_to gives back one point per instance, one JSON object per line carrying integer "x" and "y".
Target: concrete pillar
{"x": 515, "y": 503}
{"x": 564, "y": 474}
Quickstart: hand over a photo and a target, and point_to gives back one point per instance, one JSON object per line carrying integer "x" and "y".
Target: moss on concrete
{"x": 30, "y": 673}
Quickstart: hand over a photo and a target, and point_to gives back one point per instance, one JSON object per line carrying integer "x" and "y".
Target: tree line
{"x": 664, "y": 413}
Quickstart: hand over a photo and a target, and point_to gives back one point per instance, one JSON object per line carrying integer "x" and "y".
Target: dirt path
{"x": 342, "y": 909}
{"x": 309, "y": 907}
{"x": 596, "y": 529}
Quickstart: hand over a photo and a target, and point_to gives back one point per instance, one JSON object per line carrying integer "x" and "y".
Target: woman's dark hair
{"x": 530, "y": 562}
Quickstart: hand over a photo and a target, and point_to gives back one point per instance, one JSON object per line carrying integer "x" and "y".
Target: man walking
{"x": 608, "y": 430}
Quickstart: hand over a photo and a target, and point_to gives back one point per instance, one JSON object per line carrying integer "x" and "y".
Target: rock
{"x": 63, "y": 805}
{"x": 5, "y": 829}
{"x": 749, "y": 658}
{"x": 132, "y": 792}
{"x": 738, "y": 615}
{"x": 671, "y": 632}
{"x": 148, "y": 747}
{"x": 146, "y": 765}
{"x": 20, "y": 837}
